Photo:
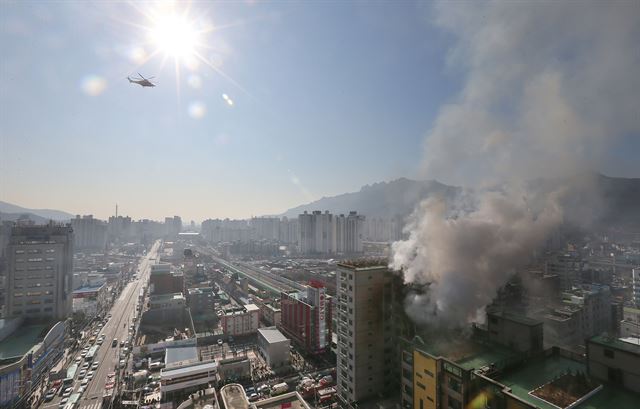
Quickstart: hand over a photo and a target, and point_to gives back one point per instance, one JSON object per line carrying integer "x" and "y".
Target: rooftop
{"x": 234, "y": 397}
{"x": 272, "y": 335}
{"x": 616, "y": 343}
{"x": 365, "y": 263}
{"x": 466, "y": 352}
{"x": 528, "y": 377}
{"x": 521, "y": 319}
{"x": 22, "y": 340}
{"x": 291, "y": 400}
{"x": 166, "y": 297}
{"x": 89, "y": 289}
{"x": 178, "y": 355}
{"x": 198, "y": 367}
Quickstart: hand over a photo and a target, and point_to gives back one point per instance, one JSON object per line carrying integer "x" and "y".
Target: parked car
{"x": 67, "y": 392}
{"x": 63, "y": 403}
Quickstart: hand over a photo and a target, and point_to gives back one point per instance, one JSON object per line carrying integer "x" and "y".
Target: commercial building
{"x": 274, "y": 347}
{"x": 595, "y": 303}
{"x": 167, "y": 301}
{"x": 235, "y": 368}
{"x": 89, "y": 233}
{"x": 201, "y": 300}
{"x": 162, "y": 280}
{"x": 306, "y": 317}
{"x": 39, "y": 276}
{"x": 291, "y": 400}
{"x": 242, "y": 320}
{"x": 271, "y": 314}
{"x": 366, "y": 351}
{"x": 27, "y": 353}
{"x": 615, "y": 360}
{"x": 630, "y": 324}
{"x": 90, "y": 300}
{"x": 184, "y": 378}
{"x": 517, "y": 332}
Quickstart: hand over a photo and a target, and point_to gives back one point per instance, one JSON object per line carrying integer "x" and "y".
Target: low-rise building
{"x": 271, "y": 314}
{"x": 615, "y": 360}
{"x": 27, "y": 353}
{"x": 184, "y": 378}
{"x": 90, "y": 300}
{"x": 291, "y": 400}
{"x": 167, "y": 301}
{"x": 241, "y": 320}
{"x": 234, "y": 368}
{"x": 201, "y": 300}
{"x": 274, "y": 347}
{"x": 162, "y": 280}
{"x": 517, "y": 332}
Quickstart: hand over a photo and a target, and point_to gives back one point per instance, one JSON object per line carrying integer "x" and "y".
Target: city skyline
{"x": 278, "y": 112}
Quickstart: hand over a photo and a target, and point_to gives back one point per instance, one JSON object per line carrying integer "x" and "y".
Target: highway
{"x": 117, "y": 327}
{"x": 260, "y": 278}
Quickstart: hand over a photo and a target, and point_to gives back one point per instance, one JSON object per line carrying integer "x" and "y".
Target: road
{"x": 117, "y": 327}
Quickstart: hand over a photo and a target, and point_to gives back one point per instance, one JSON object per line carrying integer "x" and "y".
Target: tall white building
{"x": 40, "y": 272}
{"x": 89, "y": 233}
{"x": 324, "y": 233}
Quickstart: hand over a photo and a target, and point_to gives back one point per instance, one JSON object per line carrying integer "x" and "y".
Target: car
{"x": 99, "y": 341}
{"x": 78, "y": 359}
{"x": 85, "y": 365}
{"x": 121, "y": 344}
{"x": 82, "y": 389}
{"x": 67, "y": 392}
{"x": 83, "y": 354}
{"x": 90, "y": 375}
{"x": 50, "y": 395}
{"x": 122, "y": 363}
{"x": 254, "y": 397}
{"x": 82, "y": 374}
{"x": 220, "y": 342}
{"x": 109, "y": 385}
{"x": 111, "y": 375}
{"x": 84, "y": 382}
{"x": 63, "y": 403}
{"x": 95, "y": 365}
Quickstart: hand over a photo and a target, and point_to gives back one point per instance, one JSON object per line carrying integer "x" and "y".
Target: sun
{"x": 174, "y": 35}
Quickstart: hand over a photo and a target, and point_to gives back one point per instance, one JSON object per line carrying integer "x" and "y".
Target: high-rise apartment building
{"x": 89, "y": 233}
{"x": 40, "y": 272}
{"x": 173, "y": 226}
{"x": 325, "y": 233}
{"x": 366, "y": 355}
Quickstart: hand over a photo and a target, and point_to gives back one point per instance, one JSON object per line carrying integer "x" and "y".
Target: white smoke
{"x": 548, "y": 88}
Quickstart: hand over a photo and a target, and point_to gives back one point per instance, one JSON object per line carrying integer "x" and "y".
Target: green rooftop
{"x": 487, "y": 355}
{"x": 22, "y": 340}
{"x": 530, "y": 376}
{"x": 615, "y": 343}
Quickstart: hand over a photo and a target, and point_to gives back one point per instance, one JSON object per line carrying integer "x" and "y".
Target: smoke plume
{"x": 548, "y": 87}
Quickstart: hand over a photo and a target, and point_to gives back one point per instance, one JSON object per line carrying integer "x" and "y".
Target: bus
{"x": 71, "y": 373}
{"x": 92, "y": 353}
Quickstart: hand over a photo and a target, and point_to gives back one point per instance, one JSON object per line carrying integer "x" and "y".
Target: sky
{"x": 259, "y": 106}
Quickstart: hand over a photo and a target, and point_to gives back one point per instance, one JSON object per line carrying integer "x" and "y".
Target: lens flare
{"x": 227, "y": 99}
{"x": 197, "y": 110}
{"x": 93, "y": 85}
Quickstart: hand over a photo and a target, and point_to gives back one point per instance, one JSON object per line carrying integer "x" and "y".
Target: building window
{"x": 421, "y": 386}
{"x": 454, "y": 384}
{"x": 609, "y": 353}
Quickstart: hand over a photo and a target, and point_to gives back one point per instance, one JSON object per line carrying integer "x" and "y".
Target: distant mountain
{"x": 12, "y": 217}
{"x": 606, "y": 201}
{"x": 47, "y": 214}
{"x": 392, "y": 199}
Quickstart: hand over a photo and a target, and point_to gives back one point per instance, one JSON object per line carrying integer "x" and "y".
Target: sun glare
{"x": 174, "y": 36}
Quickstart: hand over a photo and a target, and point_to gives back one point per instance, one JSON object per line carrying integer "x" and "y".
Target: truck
{"x": 279, "y": 389}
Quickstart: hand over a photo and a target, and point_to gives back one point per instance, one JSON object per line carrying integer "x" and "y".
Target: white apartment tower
{"x": 89, "y": 233}
{"x": 40, "y": 272}
{"x": 324, "y": 233}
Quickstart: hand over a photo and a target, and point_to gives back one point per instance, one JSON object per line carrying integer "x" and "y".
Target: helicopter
{"x": 142, "y": 81}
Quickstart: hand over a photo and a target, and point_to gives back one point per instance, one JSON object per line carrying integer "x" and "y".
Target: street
{"x": 117, "y": 327}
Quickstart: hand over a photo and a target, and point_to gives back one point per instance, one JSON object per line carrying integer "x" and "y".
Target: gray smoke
{"x": 549, "y": 86}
